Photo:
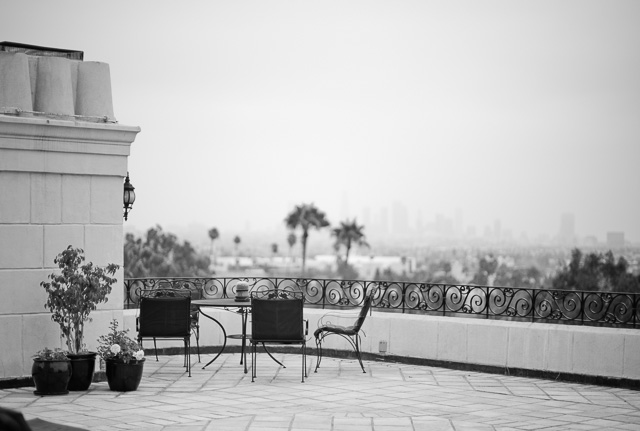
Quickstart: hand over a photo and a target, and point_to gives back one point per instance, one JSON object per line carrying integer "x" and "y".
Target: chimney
{"x": 55, "y": 83}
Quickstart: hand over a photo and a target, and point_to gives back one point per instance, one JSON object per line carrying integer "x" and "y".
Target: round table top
{"x": 220, "y": 302}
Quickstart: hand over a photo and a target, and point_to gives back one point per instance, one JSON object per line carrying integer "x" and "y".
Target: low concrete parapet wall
{"x": 567, "y": 352}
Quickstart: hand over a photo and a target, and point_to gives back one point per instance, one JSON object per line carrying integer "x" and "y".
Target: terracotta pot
{"x": 124, "y": 377}
{"x": 83, "y": 366}
{"x": 51, "y": 377}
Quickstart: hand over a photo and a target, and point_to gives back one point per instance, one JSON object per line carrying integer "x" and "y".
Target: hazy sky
{"x": 510, "y": 110}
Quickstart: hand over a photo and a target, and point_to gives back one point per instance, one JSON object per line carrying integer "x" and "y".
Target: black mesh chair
{"x": 350, "y": 333}
{"x": 179, "y": 291}
{"x": 166, "y": 317}
{"x": 277, "y": 318}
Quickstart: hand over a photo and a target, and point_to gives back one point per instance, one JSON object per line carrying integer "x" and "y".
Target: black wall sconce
{"x": 129, "y": 196}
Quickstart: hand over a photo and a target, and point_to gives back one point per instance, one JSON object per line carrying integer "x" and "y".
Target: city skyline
{"x": 510, "y": 111}
{"x": 442, "y": 231}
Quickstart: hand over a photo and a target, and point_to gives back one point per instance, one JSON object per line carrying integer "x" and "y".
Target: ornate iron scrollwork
{"x": 520, "y": 304}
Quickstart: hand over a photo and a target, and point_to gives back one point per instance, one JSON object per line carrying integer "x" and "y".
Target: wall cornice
{"x": 42, "y": 134}
{"x": 63, "y": 146}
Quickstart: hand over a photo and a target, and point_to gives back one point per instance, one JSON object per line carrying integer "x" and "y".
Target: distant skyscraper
{"x": 400, "y": 218}
{"x": 471, "y": 231}
{"x": 444, "y": 226}
{"x": 457, "y": 223}
{"x": 567, "y": 234}
{"x": 497, "y": 230}
{"x": 419, "y": 223}
{"x": 615, "y": 239}
{"x": 366, "y": 217}
{"x": 384, "y": 220}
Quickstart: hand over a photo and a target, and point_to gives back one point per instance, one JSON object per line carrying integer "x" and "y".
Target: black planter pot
{"x": 82, "y": 366}
{"x": 124, "y": 377}
{"x": 51, "y": 377}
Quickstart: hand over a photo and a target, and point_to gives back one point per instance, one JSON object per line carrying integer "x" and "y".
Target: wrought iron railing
{"x": 505, "y": 303}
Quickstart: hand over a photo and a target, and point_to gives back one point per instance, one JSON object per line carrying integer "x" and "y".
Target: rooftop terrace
{"x": 388, "y": 397}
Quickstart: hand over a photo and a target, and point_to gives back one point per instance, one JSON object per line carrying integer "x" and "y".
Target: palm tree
{"x": 291, "y": 239}
{"x": 213, "y": 234}
{"x": 236, "y": 241}
{"x": 307, "y": 216}
{"x": 349, "y": 234}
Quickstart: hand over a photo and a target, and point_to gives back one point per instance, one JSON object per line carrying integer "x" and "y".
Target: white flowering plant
{"x": 118, "y": 346}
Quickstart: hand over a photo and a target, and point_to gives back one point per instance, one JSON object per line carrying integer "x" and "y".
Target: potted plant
{"x": 123, "y": 357}
{"x": 73, "y": 294}
{"x": 51, "y": 372}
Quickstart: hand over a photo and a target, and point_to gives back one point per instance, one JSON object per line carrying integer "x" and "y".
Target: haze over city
{"x": 517, "y": 112}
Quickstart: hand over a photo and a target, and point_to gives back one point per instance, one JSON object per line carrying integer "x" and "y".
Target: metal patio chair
{"x": 166, "y": 317}
{"x": 350, "y": 333}
{"x": 179, "y": 291}
{"x": 277, "y": 318}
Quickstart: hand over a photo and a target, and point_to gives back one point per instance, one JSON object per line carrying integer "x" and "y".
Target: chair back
{"x": 165, "y": 316}
{"x": 162, "y": 292}
{"x": 366, "y": 306}
{"x": 277, "y": 317}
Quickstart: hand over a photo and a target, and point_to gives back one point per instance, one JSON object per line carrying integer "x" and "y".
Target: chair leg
{"x": 318, "y": 352}
{"x": 187, "y": 353}
{"x": 253, "y": 361}
{"x": 155, "y": 348}
{"x": 357, "y": 344}
{"x": 304, "y": 362}
{"x": 196, "y": 332}
{"x": 243, "y": 352}
{"x": 198, "y": 342}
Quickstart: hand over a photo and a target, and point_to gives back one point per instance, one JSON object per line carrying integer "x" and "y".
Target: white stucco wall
{"x": 61, "y": 183}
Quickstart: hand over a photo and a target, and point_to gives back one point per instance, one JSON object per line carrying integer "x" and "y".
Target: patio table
{"x": 241, "y": 307}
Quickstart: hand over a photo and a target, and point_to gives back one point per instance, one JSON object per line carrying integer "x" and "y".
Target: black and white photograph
{"x": 325, "y": 215}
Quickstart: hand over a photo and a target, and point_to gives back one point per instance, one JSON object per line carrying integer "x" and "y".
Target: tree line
{"x": 161, "y": 254}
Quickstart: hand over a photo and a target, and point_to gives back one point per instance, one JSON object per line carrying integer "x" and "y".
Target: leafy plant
{"x": 75, "y": 293}
{"x": 118, "y": 346}
{"x": 47, "y": 354}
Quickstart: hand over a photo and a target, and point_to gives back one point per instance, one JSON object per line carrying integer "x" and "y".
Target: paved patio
{"x": 389, "y": 397}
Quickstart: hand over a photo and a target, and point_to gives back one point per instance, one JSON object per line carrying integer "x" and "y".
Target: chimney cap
{"x": 41, "y": 51}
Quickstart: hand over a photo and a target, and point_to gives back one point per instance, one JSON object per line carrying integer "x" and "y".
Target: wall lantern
{"x": 129, "y": 196}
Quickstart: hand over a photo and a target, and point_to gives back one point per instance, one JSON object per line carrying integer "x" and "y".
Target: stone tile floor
{"x": 389, "y": 397}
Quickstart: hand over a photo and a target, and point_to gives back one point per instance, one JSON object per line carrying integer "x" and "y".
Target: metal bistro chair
{"x": 350, "y": 333}
{"x": 180, "y": 291}
{"x": 277, "y": 318}
{"x": 166, "y": 316}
